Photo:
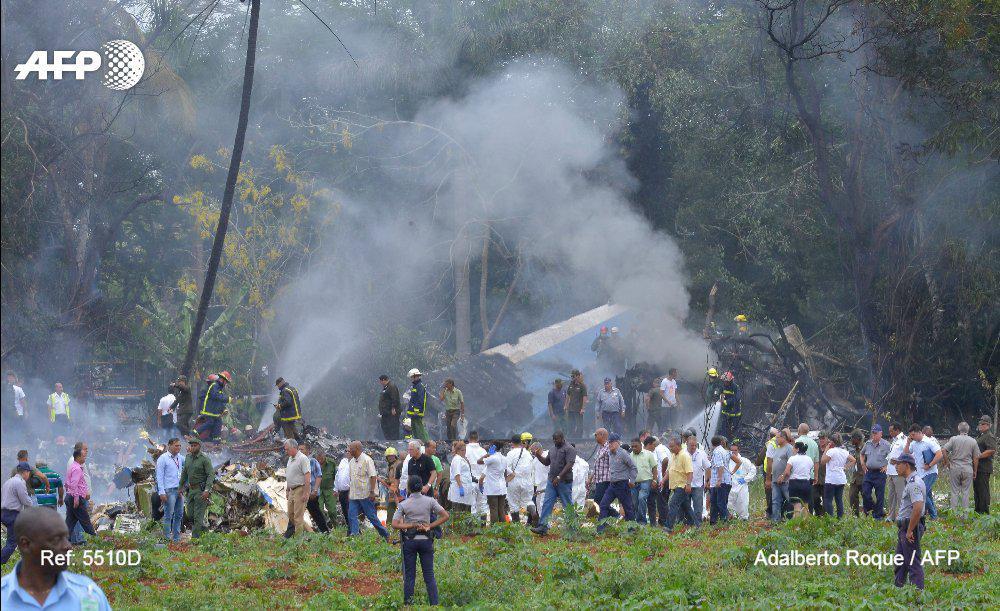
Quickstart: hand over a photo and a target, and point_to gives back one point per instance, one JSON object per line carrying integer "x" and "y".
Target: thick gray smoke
{"x": 531, "y": 154}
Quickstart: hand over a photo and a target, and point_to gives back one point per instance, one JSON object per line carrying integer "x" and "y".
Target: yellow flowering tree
{"x": 277, "y": 214}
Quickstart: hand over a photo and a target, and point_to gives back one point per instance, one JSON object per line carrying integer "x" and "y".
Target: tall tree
{"x": 227, "y": 197}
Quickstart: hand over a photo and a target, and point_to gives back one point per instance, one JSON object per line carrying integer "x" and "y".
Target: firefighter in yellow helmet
{"x": 731, "y": 407}
{"x": 742, "y": 325}
{"x": 713, "y": 386}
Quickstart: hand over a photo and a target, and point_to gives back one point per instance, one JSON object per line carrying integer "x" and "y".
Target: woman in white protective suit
{"x": 580, "y": 472}
{"x": 521, "y": 486}
{"x": 743, "y": 471}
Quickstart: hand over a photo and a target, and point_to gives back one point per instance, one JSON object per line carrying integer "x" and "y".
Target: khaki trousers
{"x": 961, "y": 483}
{"x": 297, "y": 499}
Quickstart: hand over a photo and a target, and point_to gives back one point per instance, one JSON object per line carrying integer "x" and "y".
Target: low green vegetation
{"x": 508, "y": 567}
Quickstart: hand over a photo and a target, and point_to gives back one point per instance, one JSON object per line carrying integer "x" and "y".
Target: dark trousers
{"x": 831, "y": 493}
{"x": 656, "y": 506}
{"x": 981, "y": 491}
{"x": 7, "y": 516}
{"x": 451, "y": 423}
{"x": 719, "y": 503}
{"x": 873, "y": 493}
{"x": 316, "y": 513}
{"x": 614, "y": 422}
{"x": 574, "y": 422}
{"x": 424, "y": 548}
{"x": 344, "y": 496}
{"x": 210, "y": 426}
{"x": 79, "y": 515}
{"x": 497, "y": 504}
{"x": 679, "y": 508}
{"x": 854, "y": 497}
{"x": 292, "y": 429}
{"x": 184, "y": 423}
{"x": 390, "y": 426}
{"x": 730, "y": 426}
{"x": 616, "y": 490}
{"x": 911, "y": 566}
{"x": 816, "y": 503}
{"x": 800, "y": 491}
{"x": 599, "y": 489}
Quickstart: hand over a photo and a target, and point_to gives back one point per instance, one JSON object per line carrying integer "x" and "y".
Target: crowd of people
{"x": 668, "y": 480}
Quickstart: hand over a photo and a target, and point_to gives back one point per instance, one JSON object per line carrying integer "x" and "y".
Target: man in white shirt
{"x": 298, "y": 480}
{"x": 474, "y": 451}
{"x": 520, "y": 488}
{"x": 166, "y": 418}
{"x": 662, "y": 496}
{"x": 363, "y": 491}
{"x": 17, "y": 394}
{"x": 701, "y": 465}
{"x": 927, "y": 454}
{"x": 580, "y": 472}
{"x": 58, "y": 403}
{"x": 668, "y": 388}
{"x": 896, "y": 482}
{"x": 342, "y": 484}
{"x": 541, "y": 476}
{"x": 168, "y": 478}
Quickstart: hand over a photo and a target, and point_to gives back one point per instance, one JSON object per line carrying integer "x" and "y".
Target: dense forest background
{"x": 435, "y": 184}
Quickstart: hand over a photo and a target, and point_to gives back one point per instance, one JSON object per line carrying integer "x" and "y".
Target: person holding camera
{"x": 413, "y": 520}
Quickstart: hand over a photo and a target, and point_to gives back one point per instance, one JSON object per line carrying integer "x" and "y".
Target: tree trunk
{"x": 461, "y": 253}
{"x": 227, "y": 197}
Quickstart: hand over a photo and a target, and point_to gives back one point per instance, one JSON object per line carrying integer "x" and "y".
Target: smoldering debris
{"x": 495, "y": 397}
{"x": 249, "y": 489}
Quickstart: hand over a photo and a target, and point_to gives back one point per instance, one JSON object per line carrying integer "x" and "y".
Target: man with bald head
{"x": 40, "y": 579}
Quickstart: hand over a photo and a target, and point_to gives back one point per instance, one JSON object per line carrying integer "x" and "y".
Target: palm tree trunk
{"x": 227, "y": 197}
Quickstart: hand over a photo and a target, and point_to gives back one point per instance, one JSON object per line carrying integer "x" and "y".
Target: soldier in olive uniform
{"x": 197, "y": 477}
{"x": 987, "y": 442}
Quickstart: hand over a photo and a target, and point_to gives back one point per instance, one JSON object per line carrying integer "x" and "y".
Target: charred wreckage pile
{"x": 249, "y": 488}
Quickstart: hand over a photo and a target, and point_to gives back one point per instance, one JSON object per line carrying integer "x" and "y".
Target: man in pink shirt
{"x": 77, "y": 492}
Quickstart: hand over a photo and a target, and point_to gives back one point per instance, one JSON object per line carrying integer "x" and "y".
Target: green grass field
{"x": 507, "y": 567}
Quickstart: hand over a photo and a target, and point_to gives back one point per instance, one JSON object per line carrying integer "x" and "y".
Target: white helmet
{"x": 414, "y": 372}
{"x": 614, "y": 329}
{"x": 407, "y": 422}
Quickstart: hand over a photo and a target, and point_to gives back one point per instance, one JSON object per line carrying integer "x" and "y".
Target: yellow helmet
{"x": 391, "y": 451}
{"x": 712, "y": 373}
{"x": 741, "y": 318}
{"x": 526, "y": 436}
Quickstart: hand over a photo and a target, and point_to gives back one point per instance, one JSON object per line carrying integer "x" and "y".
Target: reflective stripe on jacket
{"x": 288, "y": 404}
{"x": 214, "y": 401}
{"x": 418, "y": 400}
{"x": 52, "y": 406}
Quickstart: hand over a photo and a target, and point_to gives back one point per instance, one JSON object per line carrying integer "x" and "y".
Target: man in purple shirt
{"x": 77, "y": 492}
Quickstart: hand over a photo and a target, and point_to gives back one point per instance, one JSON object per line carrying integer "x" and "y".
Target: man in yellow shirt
{"x": 679, "y": 480}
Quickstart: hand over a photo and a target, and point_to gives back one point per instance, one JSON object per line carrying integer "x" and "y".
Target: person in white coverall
{"x": 580, "y": 471}
{"x": 541, "y": 475}
{"x": 474, "y": 451}
{"x": 743, "y": 471}
{"x": 520, "y": 489}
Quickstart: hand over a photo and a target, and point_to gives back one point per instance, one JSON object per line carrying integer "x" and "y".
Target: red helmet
{"x": 604, "y": 329}
{"x": 728, "y": 376}
{"x": 225, "y": 374}
{"x": 212, "y": 377}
